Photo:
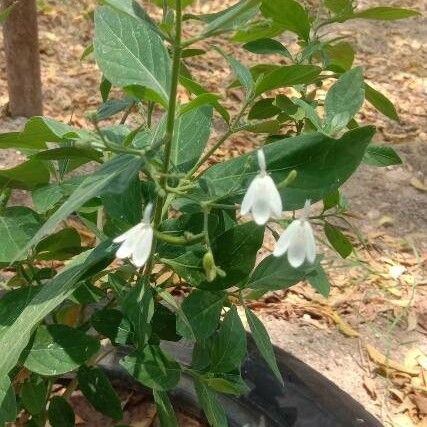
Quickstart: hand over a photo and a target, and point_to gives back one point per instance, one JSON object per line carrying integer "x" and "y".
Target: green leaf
{"x": 138, "y": 307}
{"x": 340, "y": 56}
{"x": 241, "y": 72}
{"x": 40, "y": 130}
{"x": 380, "y": 102}
{"x": 135, "y": 10}
{"x": 26, "y": 175}
{"x": 112, "y": 177}
{"x": 198, "y": 90}
{"x": 17, "y": 335}
{"x": 97, "y": 389}
{"x": 344, "y": 99}
{"x": 322, "y": 163}
{"x": 228, "y": 383}
{"x": 165, "y": 410}
{"x": 164, "y": 323}
{"x": 153, "y": 368}
{"x": 384, "y": 13}
{"x": 265, "y": 126}
{"x": 58, "y": 349}
{"x": 213, "y": 410}
{"x": 125, "y": 49}
{"x": 112, "y": 324}
{"x": 229, "y": 19}
{"x": 267, "y": 46}
{"x": 381, "y": 155}
{"x": 263, "y": 343}
{"x": 12, "y": 303}
{"x": 192, "y": 131}
{"x": 331, "y": 200}
{"x": 34, "y": 395}
{"x": 258, "y": 30}
{"x": 113, "y": 106}
{"x": 202, "y": 310}
{"x": 339, "y": 7}
{"x": 263, "y": 109}
{"x": 319, "y": 280}
{"x": 234, "y": 252}
{"x": 61, "y": 245}
{"x": 200, "y": 101}
{"x": 228, "y": 344}
{"x": 290, "y": 14}
{"x": 338, "y": 240}
{"x": 17, "y": 226}
{"x": 288, "y": 75}
{"x": 274, "y": 273}
{"x": 8, "y": 410}
{"x": 60, "y": 413}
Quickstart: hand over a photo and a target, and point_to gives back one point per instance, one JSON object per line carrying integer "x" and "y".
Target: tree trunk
{"x": 22, "y": 59}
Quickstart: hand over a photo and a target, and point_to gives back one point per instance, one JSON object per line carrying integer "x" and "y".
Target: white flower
{"x": 298, "y": 241}
{"x": 136, "y": 242}
{"x": 262, "y": 198}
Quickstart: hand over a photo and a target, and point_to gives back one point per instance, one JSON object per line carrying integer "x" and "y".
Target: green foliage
{"x": 66, "y": 295}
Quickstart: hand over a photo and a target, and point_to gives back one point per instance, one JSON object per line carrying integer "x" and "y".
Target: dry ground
{"x": 379, "y": 294}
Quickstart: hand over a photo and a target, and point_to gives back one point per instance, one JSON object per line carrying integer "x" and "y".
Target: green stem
{"x": 170, "y": 123}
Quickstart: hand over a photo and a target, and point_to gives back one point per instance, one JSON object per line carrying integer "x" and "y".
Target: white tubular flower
{"x": 298, "y": 241}
{"x": 262, "y": 198}
{"x": 136, "y": 242}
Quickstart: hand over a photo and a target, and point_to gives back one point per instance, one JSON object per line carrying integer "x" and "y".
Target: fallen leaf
{"x": 418, "y": 184}
{"x": 386, "y": 363}
{"x": 370, "y": 387}
{"x": 420, "y": 399}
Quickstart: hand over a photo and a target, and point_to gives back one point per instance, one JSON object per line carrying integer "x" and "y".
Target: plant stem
{"x": 170, "y": 124}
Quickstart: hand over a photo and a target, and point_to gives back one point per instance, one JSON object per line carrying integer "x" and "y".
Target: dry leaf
{"x": 418, "y": 184}
{"x": 381, "y": 360}
{"x": 369, "y": 385}
{"x": 420, "y": 399}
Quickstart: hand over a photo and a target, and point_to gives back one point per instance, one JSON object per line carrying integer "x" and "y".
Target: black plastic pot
{"x": 308, "y": 399}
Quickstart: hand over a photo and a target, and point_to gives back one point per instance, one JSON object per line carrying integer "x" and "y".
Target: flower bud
{"x": 209, "y": 266}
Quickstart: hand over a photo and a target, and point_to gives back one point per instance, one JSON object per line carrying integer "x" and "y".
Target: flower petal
{"x": 282, "y": 244}
{"x": 135, "y": 229}
{"x": 275, "y": 200}
{"x": 249, "y": 197}
{"x": 310, "y": 242}
{"x": 142, "y": 248}
{"x": 127, "y": 247}
{"x": 261, "y": 160}
{"x": 297, "y": 245}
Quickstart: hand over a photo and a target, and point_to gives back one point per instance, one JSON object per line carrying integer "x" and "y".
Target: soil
{"x": 385, "y": 280}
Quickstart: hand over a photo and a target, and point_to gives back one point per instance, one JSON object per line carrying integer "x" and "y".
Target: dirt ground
{"x": 370, "y": 335}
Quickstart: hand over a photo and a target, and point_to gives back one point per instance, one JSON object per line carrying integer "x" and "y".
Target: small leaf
{"x": 202, "y": 310}
{"x": 319, "y": 280}
{"x": 60, "y": 413}
{"x": 290, "y": 14}
{"x": 97, "y": 389}
{"x": 228, "y": 344}
{"x": 381, "y": 155}
{"x": 380, "y": 102}
{"x": 228, "y": 383}
{"x": 339, "y": 7}
{"x": 263, "y": 343}
{"x": 340, "y": 56}
{"x": 165, "y": 410}
{"x": 58, "y": 349}
{"x": 384, "y": 13}
{"x": 331, "y": 200}
{"x": 241, "y": 72}
{"x": 138, "y": 306}
{"x": 258, "y": 30}
{"x": 26, "y": 175}
{"x": 287, "y": 75}
{"x": 338, "y": 240}
{"x": 8, "y": 409}
{"x": 263, "y": 109}
{"x": 153, "y": 368}
{"x": 344, "y": 99}
{"x": 124, "y": 49}
{"x": 213, "y": 410}
{"x": 265, "y": 126}
{"x": 34, "y": 395}
{"x": 267, "y": 47}
{"x": 59, "y": 246}
{"x": 112, "y": 324}
{"x": 199, "y": 101}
